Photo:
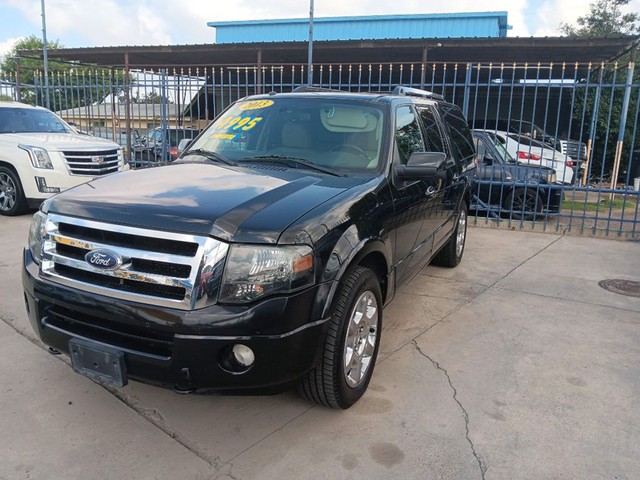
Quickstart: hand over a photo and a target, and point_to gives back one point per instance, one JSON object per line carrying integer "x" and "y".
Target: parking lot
{"x": 515, "y": 365}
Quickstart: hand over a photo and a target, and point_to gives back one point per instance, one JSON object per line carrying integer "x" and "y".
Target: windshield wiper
{"x": 216, "y": 157}
{"x": 292, "y": 161}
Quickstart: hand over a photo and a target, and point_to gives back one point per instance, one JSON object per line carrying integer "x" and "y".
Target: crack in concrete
{"x": 465, "y": 414}
{"x": 226, "y": 473}
{"x": 486, "y": 288}
{"x": 154, "y": 417}
{"x": 569, "y": 300}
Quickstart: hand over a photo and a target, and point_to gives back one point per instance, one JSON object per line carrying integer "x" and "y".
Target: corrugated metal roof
{"x": 375, "y": 27}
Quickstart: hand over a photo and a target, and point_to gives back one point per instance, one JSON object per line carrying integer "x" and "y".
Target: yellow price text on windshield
{"x": 238, "y": 123}
{"x": 255, "y": 104}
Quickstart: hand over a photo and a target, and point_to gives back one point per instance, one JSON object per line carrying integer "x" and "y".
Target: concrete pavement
{"x": 515, "y": 365}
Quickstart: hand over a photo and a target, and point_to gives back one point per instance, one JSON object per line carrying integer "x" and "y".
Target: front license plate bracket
{"x": 98, "y": 362}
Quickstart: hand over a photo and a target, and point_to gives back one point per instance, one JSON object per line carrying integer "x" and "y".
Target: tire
{"x": 12, "y": 201}
{"x": 524, "y": 203}
{"x": 351, "y": 344}
{"x": 451, "y": 254}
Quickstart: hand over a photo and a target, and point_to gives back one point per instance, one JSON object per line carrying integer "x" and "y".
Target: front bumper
{"x": 183, "y": 350}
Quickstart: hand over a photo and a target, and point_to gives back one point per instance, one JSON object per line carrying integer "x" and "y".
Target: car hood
{"x": 59, "y": 141}
{"x": 235, "y": 204}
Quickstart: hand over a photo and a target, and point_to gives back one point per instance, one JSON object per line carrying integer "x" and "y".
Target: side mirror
{"x": 422, "y": 166}
{"x": 487, "y": 160}
{"x": 183, "y": 145}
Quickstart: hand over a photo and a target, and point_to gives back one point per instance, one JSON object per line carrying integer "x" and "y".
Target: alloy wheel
{"x": 360, "y": 343}
{"x": 462, "y": 231}
{"x": 8, "y": 192}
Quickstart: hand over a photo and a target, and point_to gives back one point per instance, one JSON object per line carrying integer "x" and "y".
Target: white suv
{"x": 41, "y": 155}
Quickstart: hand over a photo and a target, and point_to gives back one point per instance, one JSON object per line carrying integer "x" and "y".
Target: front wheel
{"x": 12, "y": 201}
{"x": 451, "y": 254}
{"x": 351, "y": 344}
{"x": 524, "y": 203}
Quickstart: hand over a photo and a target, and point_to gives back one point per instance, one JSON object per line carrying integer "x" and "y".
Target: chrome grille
{"x": 158, "y": 268}
{"x": 92, "y": 163}
{"x": 576, "y": 150}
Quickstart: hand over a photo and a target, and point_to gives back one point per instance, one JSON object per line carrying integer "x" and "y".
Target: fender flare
{"x": 348, "y": 251}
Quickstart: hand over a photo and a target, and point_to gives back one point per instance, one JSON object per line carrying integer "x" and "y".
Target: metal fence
{"x": 585, "y": 116}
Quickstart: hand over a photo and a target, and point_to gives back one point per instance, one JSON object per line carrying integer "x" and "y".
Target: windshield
{"x": 531, "y": 130}
{"x": 502, "y": 150}
{"x": 31, "y": 120}
{"x": 340, "y": 135}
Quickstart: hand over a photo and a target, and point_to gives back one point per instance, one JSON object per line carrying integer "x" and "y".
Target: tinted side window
{"x": 480, "y": 148}
{"x": 461, "y": 141}
{"x": 434, "y": 138}
{"x": 408, "y": 136}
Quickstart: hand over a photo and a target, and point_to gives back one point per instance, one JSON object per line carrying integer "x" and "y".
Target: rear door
{"x": 460, "y": 166}
{"x": 435, "y": 135}
{"x": 413, "y": 200}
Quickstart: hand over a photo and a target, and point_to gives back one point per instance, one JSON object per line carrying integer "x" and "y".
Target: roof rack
{"x": 310, "y": 88}
{"x": 416, "y": 92}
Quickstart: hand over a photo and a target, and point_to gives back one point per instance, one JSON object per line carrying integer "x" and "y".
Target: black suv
{"x": 264, "y": 255}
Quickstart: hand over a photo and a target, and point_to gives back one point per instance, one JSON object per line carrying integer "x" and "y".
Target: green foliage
{"x": 602, "y": 99}
{"x": 153, "y": 98}
{"x": 70, "y": 85}
{"x": 605, "y": 18}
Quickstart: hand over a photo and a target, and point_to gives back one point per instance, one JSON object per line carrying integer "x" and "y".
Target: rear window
{"x": 462, "y": 143}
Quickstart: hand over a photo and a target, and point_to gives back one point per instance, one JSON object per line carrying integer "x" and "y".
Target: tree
{"x": 71, "y": 85}
{"x": 23, "y": 70}
{"x": 605, "y": 18}
{"x": 601, "y": 99}
{"x": 155, "y": 98}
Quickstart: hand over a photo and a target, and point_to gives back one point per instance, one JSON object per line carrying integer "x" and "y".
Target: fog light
{"x": 41, "y": 182}
{"x": 243, "y": 355}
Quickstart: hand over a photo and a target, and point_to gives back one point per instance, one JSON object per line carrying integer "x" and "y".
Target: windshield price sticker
{"x": 238, "y": 123}
{"x": 223, "y": 136}
{"x": 255, "y": 105}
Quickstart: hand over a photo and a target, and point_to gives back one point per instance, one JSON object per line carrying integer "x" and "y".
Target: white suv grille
{"x": 92, "y": 163}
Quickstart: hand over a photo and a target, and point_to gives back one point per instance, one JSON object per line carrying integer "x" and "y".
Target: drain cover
{"x": 623, "y": 287}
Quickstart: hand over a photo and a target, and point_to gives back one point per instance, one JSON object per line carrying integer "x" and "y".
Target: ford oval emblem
{"x": 103, "y": 259}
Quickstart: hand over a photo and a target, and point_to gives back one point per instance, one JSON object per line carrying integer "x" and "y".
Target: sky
{"x": 96, "y": 23}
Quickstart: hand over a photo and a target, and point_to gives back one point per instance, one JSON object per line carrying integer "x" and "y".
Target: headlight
{"x": 39, "y": 156}
{"x": 36, "y": 235}
{"x": 552, "y": 177}
{"x": 254, "y": 271}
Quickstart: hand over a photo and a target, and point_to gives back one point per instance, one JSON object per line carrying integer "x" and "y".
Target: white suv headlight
{"x": 39, "y": 156}
{"x": 36, "y": 235}
{"x": 255, "y": 271}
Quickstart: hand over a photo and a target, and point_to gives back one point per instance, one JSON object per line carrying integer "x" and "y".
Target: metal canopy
{"x": 508, "y": 50}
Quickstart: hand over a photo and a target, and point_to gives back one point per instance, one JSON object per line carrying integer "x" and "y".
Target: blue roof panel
{"x": 378, "y": 27}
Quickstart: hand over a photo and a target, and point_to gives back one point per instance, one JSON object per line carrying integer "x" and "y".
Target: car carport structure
{"x": 584, "y": 88}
